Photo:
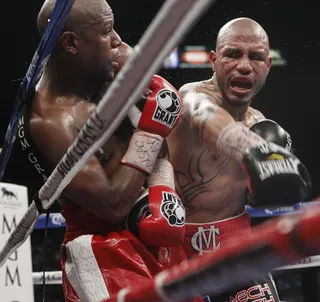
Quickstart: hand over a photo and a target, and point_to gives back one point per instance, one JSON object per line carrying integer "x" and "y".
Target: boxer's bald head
{"x": 88, "y": 43}
{"x": 242, "y": 28}
{"x": 241, "y": 61}
{"x": 83, "y": 14}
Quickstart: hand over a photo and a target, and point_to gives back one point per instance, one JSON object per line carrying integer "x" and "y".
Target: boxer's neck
{"x": 237, "y": 112}
{"x": 63, "y": 81}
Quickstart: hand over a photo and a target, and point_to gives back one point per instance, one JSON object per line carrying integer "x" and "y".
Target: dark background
{"x": 291, "y": 93}
{"x": 290, "y": 96}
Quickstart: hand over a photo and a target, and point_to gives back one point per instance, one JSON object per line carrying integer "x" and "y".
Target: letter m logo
{"x": 204, "y": 240}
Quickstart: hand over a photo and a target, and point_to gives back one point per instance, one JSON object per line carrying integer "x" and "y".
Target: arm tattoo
{"x": 191, "y": 185}
{"x": 202, "y": 126}
{"x": 201, "y": 103}
{"x": 200, "y": 114}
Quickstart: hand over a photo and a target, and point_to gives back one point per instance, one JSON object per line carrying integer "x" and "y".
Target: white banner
{"x": 16, "y": 282}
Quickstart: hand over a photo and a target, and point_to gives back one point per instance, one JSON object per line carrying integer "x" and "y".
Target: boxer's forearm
{"x": 109, "y": 198}
{"x": 125, "y": 187}
{"x": 216, "y": 128}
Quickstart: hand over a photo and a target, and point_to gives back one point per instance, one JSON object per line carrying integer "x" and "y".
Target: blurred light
{"x": 172, "y": 61}
{"x": 277, "y": 59}
{"x": 195, "y": 57}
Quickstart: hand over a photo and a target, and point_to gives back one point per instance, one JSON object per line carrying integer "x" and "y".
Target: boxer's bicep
{"x": 205, "y": 117}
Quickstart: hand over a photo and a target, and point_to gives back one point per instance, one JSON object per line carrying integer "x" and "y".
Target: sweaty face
{"x": 99, "y": 49}
{"x": 125, "y": 52}
{"x": 241, "y": 65}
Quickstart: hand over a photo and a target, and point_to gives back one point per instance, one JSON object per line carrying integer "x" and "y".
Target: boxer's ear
{"x": 269, "y": 63}
{"x": 69, "y": 42}
{"x": 212, "y": 59}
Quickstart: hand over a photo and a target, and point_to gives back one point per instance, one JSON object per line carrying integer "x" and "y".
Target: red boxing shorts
{"x": 206, "y": 237}
{"x": 203, "y": 238}
{"x": 94, "y": 267}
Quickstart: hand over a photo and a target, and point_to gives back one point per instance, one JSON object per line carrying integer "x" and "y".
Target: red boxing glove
{"x": 158, "y": 216}
{"x": 161, "y": 112}
{"x": 160, "y": 115}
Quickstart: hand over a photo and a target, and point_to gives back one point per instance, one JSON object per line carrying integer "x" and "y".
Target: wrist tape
{"x": 162, "y": 174}
{"x": 143, "y": 151}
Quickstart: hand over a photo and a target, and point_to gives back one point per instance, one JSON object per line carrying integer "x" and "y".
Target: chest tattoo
{"x": 195, "y": 181}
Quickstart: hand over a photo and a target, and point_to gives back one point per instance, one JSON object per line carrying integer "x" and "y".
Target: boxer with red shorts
{"x": 99, "y": 256}
{"x": 217, "y": 158}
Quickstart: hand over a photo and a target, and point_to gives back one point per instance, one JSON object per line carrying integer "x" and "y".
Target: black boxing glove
{"x": 275, "y": 176}
{"x": 271, "y": 132}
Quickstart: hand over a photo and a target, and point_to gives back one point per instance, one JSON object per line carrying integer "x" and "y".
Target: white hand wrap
{"x": 143, "y": 151}
{"x": 162, "y": 174}
{"x": 235, "y": 139}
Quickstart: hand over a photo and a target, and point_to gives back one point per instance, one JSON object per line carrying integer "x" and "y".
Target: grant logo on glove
{"x": 168, "y": 107}
{"x": 172, "y": 209}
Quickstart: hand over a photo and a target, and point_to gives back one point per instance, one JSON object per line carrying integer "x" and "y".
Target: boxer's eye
{"x": 233, "y": 53}
{"x": 256, "y": 57}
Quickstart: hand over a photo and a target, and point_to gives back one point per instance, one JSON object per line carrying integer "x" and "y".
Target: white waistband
{"x": 217, "y": 221}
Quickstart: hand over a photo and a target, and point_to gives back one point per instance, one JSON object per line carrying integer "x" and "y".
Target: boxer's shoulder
{"x": 189, "y": 87}
{"x": 81, "y": 112}
{"x": 61, "y": 120}
{"x": 63, "y": 114}
{"x": 253, "y": 116}
{"x": 194, "y": 86}
{"x": 198, "y": 91}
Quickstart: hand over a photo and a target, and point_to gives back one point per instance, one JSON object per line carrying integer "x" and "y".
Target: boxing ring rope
{"x": 169, "y": 26}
